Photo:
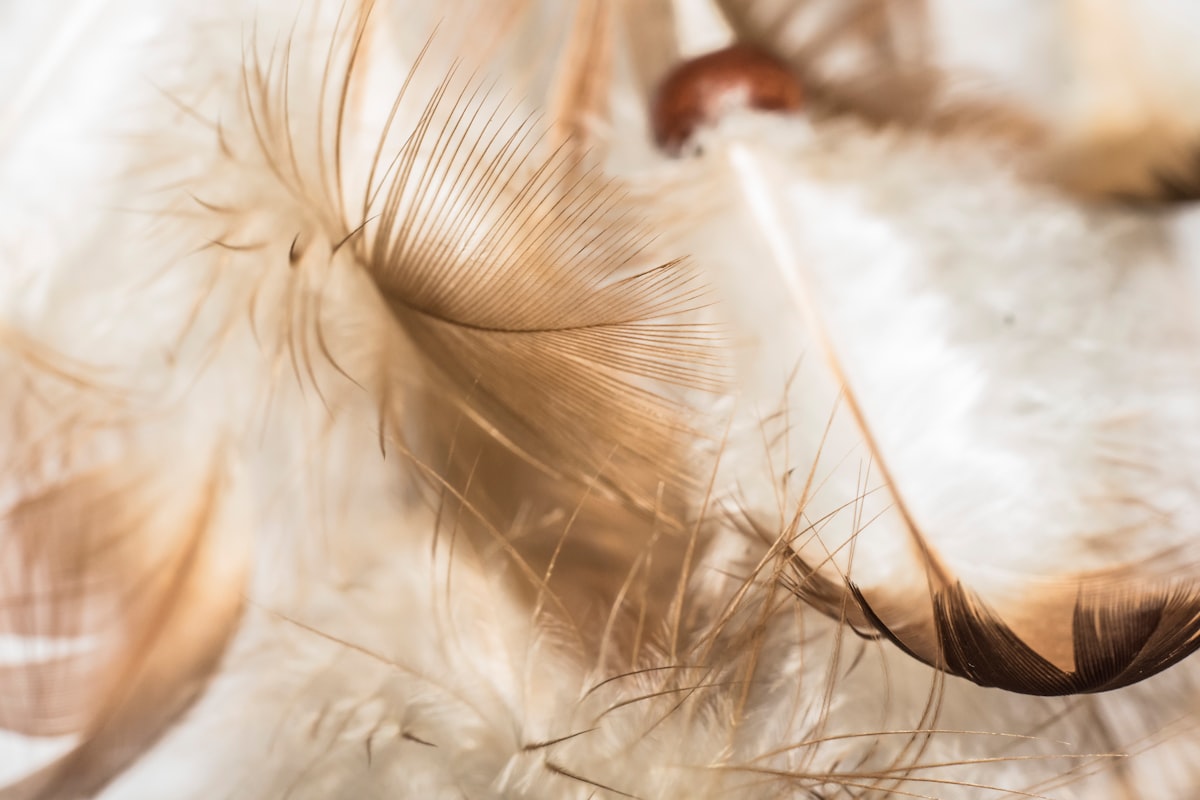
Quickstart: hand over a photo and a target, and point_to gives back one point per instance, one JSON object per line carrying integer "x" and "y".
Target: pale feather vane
{"x": 125, "y": 579}
{"x": 386, "y": 415}
{"x": 1102, "y": 592}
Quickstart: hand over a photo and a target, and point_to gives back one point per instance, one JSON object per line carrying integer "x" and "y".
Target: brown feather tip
{"x": 1118, "y": 636}
{"x": 1181, "y": 184}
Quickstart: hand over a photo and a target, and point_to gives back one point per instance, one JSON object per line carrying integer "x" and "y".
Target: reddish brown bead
{"x": 698, "y": 91}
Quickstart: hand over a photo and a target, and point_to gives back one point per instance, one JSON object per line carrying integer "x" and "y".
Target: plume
{"x": 515, "y": 288}
{"x": 383, "y": 415}
{"x": 1070, "y": 573}
{"x": 121, "y": 578}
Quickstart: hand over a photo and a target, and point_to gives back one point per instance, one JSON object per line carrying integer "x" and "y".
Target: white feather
{"x": 1027, "y": 364}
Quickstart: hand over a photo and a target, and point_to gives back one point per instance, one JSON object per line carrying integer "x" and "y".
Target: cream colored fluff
{"x": 998, "y": 328}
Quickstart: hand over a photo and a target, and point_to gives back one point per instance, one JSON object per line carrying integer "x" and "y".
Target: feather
{"x": 1137, "y": 137}
{"x": 153, "y": 605}
{"x": 131, "y": 578}
{"x": 512, "y": 277}
{"x": 370, "y": 429}
{"x": 1095, "y": 512}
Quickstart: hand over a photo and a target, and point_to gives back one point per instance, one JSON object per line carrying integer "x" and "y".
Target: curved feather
{"x": 1040, "y": 465}
{"x": 154, "y": 601}
{"x": 419, "y": 671}
{"x": 121, "y": 578}
{"x": 510, "y": 278}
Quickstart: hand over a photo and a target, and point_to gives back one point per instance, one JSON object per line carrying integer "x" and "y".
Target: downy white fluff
{"x": 384, "y": 416}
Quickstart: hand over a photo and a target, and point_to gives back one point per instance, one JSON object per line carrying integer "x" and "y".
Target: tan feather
{"x": 139, "y": 586}
{"x": 521, "y": 282}
{"x": 121, "y": 572}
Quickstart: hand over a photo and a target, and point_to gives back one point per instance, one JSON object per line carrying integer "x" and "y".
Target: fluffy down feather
{"x": 385, "y": 417}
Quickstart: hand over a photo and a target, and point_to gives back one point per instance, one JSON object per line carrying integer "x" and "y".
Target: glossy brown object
{"x": 698, "y": 91}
